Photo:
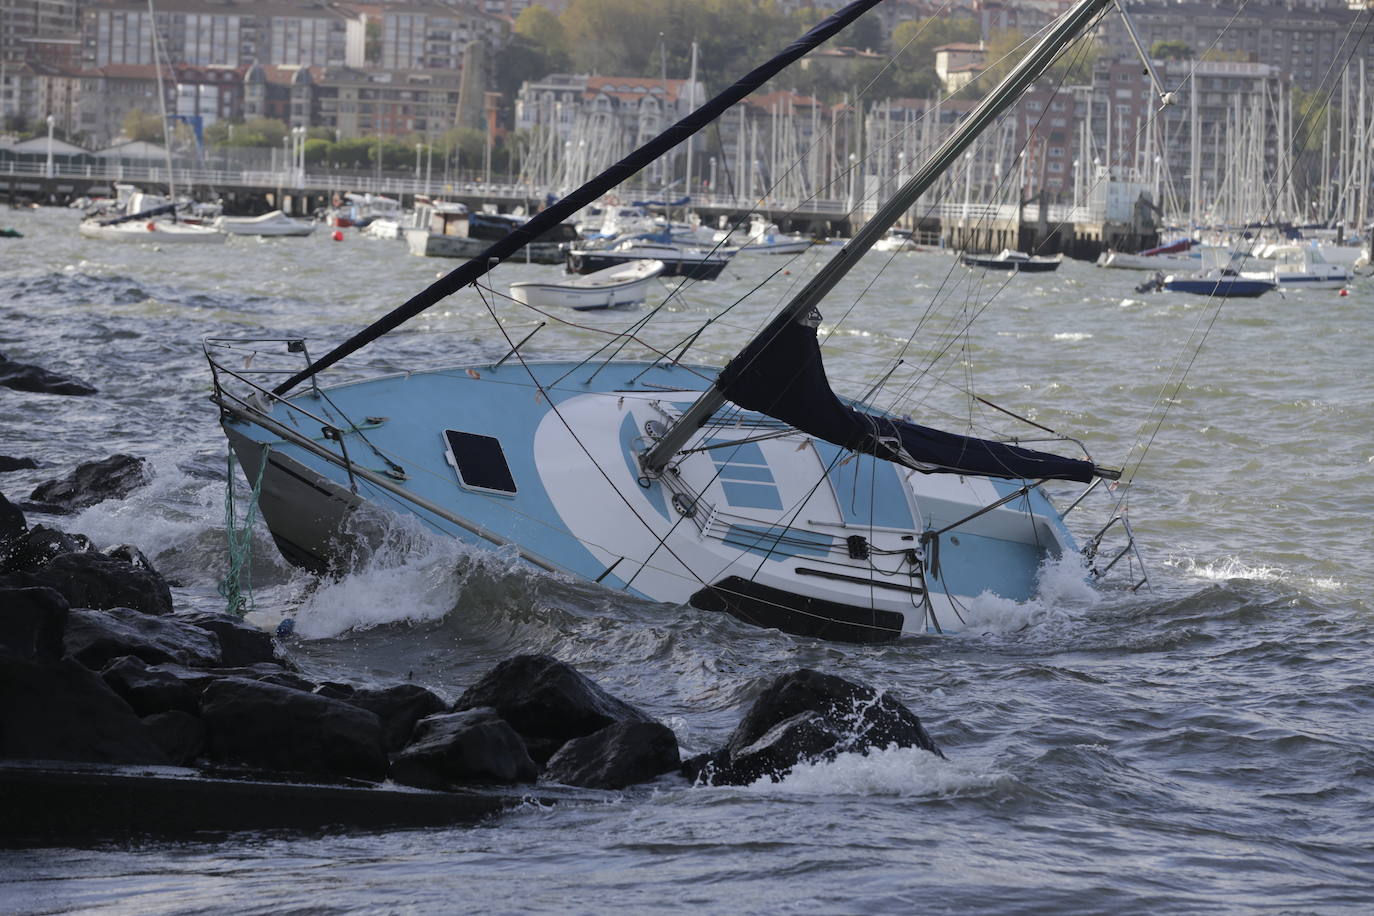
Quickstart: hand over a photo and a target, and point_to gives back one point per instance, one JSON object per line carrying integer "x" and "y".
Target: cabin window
{"x": 480, "y": 462}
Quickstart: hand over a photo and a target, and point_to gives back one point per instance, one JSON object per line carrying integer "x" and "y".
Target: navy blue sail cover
{"x": 781, "y": 374}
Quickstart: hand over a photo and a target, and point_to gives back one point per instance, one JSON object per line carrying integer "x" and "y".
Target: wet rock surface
{"x": 803, "y": 716}
{"x": 548, "y": 702}
{"x": 36, "y": 379}
{"x": 97, "y": 667}
{"x": 93, "y": 482}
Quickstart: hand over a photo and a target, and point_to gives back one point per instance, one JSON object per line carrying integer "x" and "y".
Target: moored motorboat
{"x": 273, "y": 223}
{"x": 1018, "y": 261}
{"x": 624, "y": 284}
{"x": 447, "y": 229}
{"x": 896, "y": 240}
{"x": 678, "y": 260}
{"x": 1302, "y": 267}
{"x": 1218, "y": 282}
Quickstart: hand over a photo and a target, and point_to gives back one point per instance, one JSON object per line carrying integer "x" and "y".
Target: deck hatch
{"x": 479, "y": 462}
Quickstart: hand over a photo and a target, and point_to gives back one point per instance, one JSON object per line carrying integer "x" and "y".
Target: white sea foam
{"x": 1226, "y": 568}
{"x": 1064, "y": 593}
{"x": 1073, "y": 336}
{"x": 893, "y": 771}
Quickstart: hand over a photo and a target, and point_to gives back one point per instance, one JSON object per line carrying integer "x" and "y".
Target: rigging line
{"x": 1186, "y": 366}
{"x": 980, "y": 280}
{"x": 614, "y": 335}
{"x": 553, "y": 406}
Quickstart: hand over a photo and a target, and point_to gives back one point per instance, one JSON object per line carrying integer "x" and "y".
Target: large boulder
{"x": 39, "y": 546}
{"x": 152, "y": 689}
{"x": 25, "y": 377}
{"x": 805, "y": 715}
{"x": 95, "y": 638}
{"x": 621, "y": 754}
{"x": 93, "y": 482}
{"x": 63, "y": 711}
{"x": 399, "y": 707}
{"x": 547, "y": 702}
{"x": 240, "y": 643}
{"x": 94, "y": 580}
{"x": 265, "y": 726}
{"x": 459, "y": 748}
{"x": 32, "y": 621}
{"x": 9, "y": 463}
{"x": 12, "y": 523}
{"x": 180, "y": 735}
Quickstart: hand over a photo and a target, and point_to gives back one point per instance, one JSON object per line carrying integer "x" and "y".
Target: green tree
{"x": 1171, "y": 49}
{"x": 257, "y": 132}
{"x": 140, "y": 125}
{"x": 539, "y": 26}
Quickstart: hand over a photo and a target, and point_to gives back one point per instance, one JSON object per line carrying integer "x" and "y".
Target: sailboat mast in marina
{"x": 752, "y": 489}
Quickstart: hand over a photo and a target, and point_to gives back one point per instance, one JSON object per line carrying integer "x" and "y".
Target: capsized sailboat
{"x": 753, "y": 489}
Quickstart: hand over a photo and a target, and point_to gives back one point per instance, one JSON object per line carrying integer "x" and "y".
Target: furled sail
{"x": 781, "y": 374}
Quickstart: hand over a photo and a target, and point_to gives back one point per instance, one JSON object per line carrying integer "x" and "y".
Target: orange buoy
{"x": 152, "y": 227}
{"x": 1345, "y": 292}
{"x": 337, "y": 236}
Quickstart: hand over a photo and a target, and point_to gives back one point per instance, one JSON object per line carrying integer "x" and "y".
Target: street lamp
{"x": 51, "y": 122}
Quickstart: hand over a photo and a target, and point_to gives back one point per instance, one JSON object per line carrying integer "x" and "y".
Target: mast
{"x": 162, "y": 106}
{"x": 1061, "y": 33}
{"x": 691, "y": 103}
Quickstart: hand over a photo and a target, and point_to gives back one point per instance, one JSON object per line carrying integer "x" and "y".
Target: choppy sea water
{"x": 1203, "y": 746}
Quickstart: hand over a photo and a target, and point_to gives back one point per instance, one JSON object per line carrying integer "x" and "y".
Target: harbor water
{"x": 1202, "y": 745}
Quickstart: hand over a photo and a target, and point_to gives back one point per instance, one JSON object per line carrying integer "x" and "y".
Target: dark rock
{"x": 12, "y": 523}
{"x": 180, "y": 735}
{"x": 16, "y": 464}
{"x": 95, "y": 638}
{"x": 619, "y": 755}
{"x": 94, "y": 580}
{"x": 39, "y": 547}
{"x": 32, "y": 621}
{"x": 63, "y": 711}
{"x": 197, "y": 679}
{"x": 808, "y": 735}
{"x": 335, "y": 690}
{"x": 240, "y": 643}
{"x": 277, "y": 728}
{"x": 547, "y": 702}
{"x": 127, "y": 553}
{"x": 399, "y": 708}
{"x": 93, "y": 482}
{"x": 25, "y": 377}
{"x": 457, "y": 748}
{"x": 152, "y": 689}
{"x": 867, "y": 718}
{"x": 806, "y": 715}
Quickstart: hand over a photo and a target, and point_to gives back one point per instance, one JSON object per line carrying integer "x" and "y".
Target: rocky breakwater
{"x": 116, "y": 710}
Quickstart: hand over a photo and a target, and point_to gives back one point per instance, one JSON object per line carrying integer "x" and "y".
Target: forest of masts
{"x": 1272, "y": 157}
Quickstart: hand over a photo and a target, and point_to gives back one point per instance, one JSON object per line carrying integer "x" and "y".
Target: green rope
{"x": 239, "y": 597}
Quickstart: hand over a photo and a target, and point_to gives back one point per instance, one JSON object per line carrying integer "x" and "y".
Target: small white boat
{"x": 149, "y": 226}
{"x": 763, "y": 237}
{"x": 1302, "y": 267}
{"x": 1177, "y": 255}
{"x": 269, "y": 224}
{"x": 388, "y": 228}
{"x": 625, "y": 284}
{"x": 1017, "y": 261}
{"x": 896, "y": 240}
